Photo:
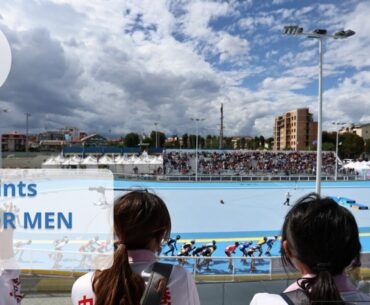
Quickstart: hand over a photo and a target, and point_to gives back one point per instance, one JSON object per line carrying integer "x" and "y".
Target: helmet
{"x": 276, "y": 237}
{"x": 178, "y": 237}
{"x": 192, "y": 242}
{"x": 213, "y": 242}
{"x": 236, "y": 243}
{"x": 265, "y": 238}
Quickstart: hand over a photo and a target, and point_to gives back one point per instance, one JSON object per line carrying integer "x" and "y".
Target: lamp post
{"x": 27, "y": 116}
{"x": 196, "y": 120}
{"x": 156, "y": 135}
{"x": 336, "y": 148}
{"x": 321, "y": 35}
{"x": 1, "y": 141}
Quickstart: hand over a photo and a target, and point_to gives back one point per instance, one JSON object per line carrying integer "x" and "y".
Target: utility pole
{"x": 27, "y": 116}
{"x": 221, "y": 146}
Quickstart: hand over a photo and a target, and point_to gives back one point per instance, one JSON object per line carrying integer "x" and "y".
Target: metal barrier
{"x": 204, "y": 269}
{"x": 246, "y": 178}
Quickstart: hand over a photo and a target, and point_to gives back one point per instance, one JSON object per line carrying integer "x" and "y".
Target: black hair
{"x": 323, "y": 236}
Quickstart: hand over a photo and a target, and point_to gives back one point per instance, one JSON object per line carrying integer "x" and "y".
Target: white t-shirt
{"x": 347, "y": 291}
{"x": 275, "y": 299}
{"x": 10, "y": 287}
{"x": 180, "y": 290}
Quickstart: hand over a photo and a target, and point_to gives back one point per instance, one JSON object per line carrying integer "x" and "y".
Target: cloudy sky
{"x": 123, "y": 65}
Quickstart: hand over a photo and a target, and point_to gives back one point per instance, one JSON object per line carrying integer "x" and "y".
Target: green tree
{"x": 352, "y": 145}
{"x": 132, "y": 139}
{"x": 329, "y": 137}
{"x": 242, "y": 143}
{"x": 161, "y": 138}
{"x": 328, "y": 146}
{"x": 250, "y": 143}
{"x": 261, "y": 142}
{"x": 208, "y": 143}
{"x": 228, "y": 144}
{"x": 185, "y": 140}
{"x": 270, "y": 142}
{"x": 367, "y": 146}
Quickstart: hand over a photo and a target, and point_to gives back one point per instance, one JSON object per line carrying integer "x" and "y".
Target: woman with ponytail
{"x": 141, "y": 222}
{"x": 320, "y": 240}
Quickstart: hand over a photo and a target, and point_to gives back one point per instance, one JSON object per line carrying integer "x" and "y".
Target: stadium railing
{"x": 208, "y": 269}
{"x": 222, "y": 178}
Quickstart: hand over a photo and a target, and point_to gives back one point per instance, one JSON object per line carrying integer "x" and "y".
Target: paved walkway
{"x": 47, "y": 299}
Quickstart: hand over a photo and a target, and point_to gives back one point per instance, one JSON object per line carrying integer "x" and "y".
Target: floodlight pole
{"x": 319, "y": 123}
{"x": 1, "y": 142}
{"x": 156, "y": 135}
{"x": 336, "y": 148}
{"x": 320, "y": 35}
{"x": 27, "y": 116}
{"x": 196, "y": 145}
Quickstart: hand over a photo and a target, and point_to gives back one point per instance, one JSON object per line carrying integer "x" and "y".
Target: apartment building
{"x": 295, "y": 130}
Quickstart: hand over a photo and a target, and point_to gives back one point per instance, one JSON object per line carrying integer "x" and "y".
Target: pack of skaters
{"x": 103, "y": 247}
{"x": 206, "y": 254}
{"x": 270, "y": 242}
{"x": 244, "y": 250}
{"x": 86, "y": 251}
{"x": 250, "y": 252}
{"x": 57, "y": 256}
{"x": 18, "y": 247}
{"x": 186, "y": 249}
{"x": 172, "y": 245}
{"x": 198, "y": 250}
{"x": 229, "y": 251}
{"x": 259, "y": 245}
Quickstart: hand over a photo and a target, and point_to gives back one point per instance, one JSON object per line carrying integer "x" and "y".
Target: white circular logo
{"x": 5, "y": 58}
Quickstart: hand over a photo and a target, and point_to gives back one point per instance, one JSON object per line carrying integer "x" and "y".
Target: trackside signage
{"x": 56, "y": 219}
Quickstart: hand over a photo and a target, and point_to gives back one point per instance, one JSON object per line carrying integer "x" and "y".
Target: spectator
{"x": 320, "y": 239}
{"x": 139, "y": 239}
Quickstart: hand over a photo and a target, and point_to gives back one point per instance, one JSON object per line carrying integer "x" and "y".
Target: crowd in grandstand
{"x": 247, "y": 162}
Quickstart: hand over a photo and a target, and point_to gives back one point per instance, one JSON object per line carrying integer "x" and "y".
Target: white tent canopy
{"x": 90, "y": 160}
{"x": 144, "y": 164}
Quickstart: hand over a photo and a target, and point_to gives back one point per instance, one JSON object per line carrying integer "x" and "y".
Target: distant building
{"x": 51, "y": 145}
{"x": 362, "y": 130}
{"x": 68, "y": 134}
{"x": 94, "y": 140}
{"x": 13, "y": 141}
{"x": 295, "y": 130}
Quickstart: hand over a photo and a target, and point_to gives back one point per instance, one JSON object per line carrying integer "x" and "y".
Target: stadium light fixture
{"x": 321, "y": 35}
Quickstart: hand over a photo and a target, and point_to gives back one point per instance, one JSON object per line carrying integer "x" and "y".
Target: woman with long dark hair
{"x": 141, "y": 222}
{"x": 320, "y": 240}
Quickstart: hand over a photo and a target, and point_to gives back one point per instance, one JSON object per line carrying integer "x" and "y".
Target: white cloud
{"x": 231, "y": 46}
{"x": 199, "y": 14}
{"x": 134, "y": 62}
{"x": 284, "y": 83}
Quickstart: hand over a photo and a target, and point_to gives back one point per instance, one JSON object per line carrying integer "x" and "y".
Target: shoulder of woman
{"x": 179, "y": 273}
{"x": 267, "y": 299}
{"x": 181, "y": 287}
{"x": 82, "y": 288}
